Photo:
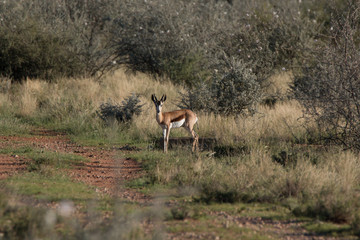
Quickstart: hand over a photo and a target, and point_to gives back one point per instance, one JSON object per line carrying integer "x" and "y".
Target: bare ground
{"x": 107, "y": 169}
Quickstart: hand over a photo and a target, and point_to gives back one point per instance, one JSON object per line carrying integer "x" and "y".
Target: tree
{"x": 329, "y": 85}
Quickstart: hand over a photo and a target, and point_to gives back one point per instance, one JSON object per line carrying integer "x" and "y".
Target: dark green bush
{"x": 51, "y": 39}
{"x": 330, "y": 208}
{"x": 121, "y": 113}
{"x": 229, "y": 150}
{"x": 220, "y": 192}
{"x": 28, "y": 51}
{"x": 233, "y": 89}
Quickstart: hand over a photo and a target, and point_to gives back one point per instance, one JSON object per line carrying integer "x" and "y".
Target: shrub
{"x": 51, "y": 39}
{"x": 27, "y": 51}
{"x": 19, "y": 222}
{"x": 235, "y": 87}
{"x": 232, "y": 90}
{"x": 269, "y": 37}
{"x": 198, "y": 98}
{"x": 161, "y": 38}
{"x": 329, "y": 85}
{"x": 339, "y": 209}
{"x": 355, "y": 224}
{"x": 121, "y": 113}
{"x": 176, "y": 39}
{"x": 181, "y": 39}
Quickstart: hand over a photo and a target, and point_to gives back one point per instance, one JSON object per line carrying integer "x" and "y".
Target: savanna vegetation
{"x": 275, "y": 84}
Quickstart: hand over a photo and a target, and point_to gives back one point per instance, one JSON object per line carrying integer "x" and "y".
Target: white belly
{"x": 177, "y": 124}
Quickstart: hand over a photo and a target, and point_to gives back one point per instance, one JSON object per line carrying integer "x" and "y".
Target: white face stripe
{"x": 177, "y": 124}
{"x": 158, "y": 107}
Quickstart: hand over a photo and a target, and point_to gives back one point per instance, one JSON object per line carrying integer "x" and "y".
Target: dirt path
{"x": 106, "y": 169}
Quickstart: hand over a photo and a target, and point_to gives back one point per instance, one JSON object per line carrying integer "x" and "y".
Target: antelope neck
{"x": 159, "y": 117}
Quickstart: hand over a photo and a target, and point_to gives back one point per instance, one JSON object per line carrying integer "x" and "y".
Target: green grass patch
{"x": 11, "y": 125}
{"x": 212, "y": 228}
{"x": 263, "y": 210}
{"x": 99, "y": 137}
{"x": 41, "y": 157}
{"x": 18, "y": 151}
{"x": 45, "y": 179}
{"x": 329, "y": 229}
{"x": 139, "y": 183}
{"x": 91, "y": 131}
{"x": 51, "y": 188}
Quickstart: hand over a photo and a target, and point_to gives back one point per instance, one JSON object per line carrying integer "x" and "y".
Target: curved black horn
{"x": 153, "y": 98}
{"x": 163, "y": 98}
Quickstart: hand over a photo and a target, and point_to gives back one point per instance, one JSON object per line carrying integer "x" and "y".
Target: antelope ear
{"x": 163, "y": 98}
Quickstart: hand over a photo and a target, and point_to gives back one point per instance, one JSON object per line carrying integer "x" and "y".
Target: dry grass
{"x": 327, "y": 190}
{"x": 28, "y": 96}
{"x": 278, "y": 85}
{"x": 82, "y": 97}
{"x": 116, "y": 86}
{"x": 282, "y": 122}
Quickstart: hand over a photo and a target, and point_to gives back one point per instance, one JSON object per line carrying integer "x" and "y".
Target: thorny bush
{"x": 123, "y": 113}
{"x": 233, "y": 89}
{"x": 329, "y": 85}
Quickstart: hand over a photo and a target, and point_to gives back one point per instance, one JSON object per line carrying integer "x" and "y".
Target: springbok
{"x": 180, "y": 118}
